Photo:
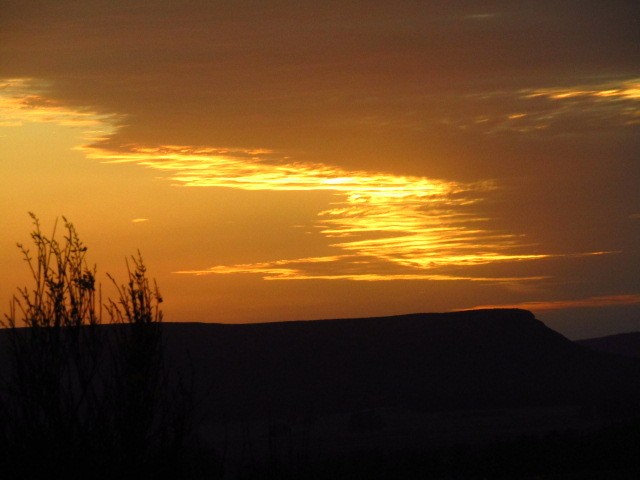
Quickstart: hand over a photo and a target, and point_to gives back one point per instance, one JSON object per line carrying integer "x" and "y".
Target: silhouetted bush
{"x": 84, "y": 400}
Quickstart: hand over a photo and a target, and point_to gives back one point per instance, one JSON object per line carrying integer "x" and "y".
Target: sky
{"x": 309, "y": 160}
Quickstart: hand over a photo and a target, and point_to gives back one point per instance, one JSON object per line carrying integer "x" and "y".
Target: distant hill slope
{"x": 625, "y": 344}
{"x": 470, "y": 359}
{"x": 439, "y": 361}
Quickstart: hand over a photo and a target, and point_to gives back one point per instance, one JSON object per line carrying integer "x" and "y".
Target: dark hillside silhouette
{"x": 430, "y": 362}
{"x": 625, "y": 344}
{"x": 491, "y": 366}
{"x": 471, "y": 359}
{"x": 474, "y": 394}
{"x": 454, "y": 395}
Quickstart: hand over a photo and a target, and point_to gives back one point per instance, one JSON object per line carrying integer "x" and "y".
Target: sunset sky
{"x": 306, "y": 160}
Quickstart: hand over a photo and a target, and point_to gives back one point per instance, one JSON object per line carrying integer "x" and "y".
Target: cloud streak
{"x": 307, "y": 269}
{"x": 404, "y": 221}
{"x": 582, "y": 108}
{"x": 591, "y": 302}
{"x": 382, "y": 226}
{"x": 24, "y": 100}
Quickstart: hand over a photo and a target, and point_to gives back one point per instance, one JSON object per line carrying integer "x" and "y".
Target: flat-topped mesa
{"x": 469, "y": 359}
{"x": 498, "y": 358}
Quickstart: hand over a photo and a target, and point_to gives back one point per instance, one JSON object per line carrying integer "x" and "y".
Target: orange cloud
{"x": 591, "y": 302}
{"x": 23, "y": 101}
{"x": 414, "y": 222}
{"x": 577, "y": 108}
{"x": 384, "y": 226}
{"x": 627, "y": 90}
{"x": 298, "y": 269}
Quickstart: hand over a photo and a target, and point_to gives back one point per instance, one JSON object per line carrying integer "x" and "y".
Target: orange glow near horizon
{"x": 591, "y": 302}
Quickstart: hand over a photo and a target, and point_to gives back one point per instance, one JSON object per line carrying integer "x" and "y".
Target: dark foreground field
{"x": 478, "y": 394}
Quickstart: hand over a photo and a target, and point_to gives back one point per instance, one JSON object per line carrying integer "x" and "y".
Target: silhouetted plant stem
{"x": 79, "y": 398}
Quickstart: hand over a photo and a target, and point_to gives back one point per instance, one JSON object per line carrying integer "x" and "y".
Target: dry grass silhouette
{"x": 81, "y": 399}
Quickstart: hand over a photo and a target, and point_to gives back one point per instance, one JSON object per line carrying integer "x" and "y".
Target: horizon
{"x": 300, "y": 161}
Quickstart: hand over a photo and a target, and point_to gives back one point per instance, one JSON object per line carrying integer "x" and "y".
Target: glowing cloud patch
{"x": 591, "y": 302}
{"x": 23, "y": 101}
{"x": 407, "y": 221}
{"x": 628, "y": 90}
{"x": 577, "y": 109}
{"x": 381, "y": 226}
{"x": 606, "y": 103}
{"x": 299, "y": 269}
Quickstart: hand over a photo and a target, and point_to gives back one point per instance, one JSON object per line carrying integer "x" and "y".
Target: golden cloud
{"x": 591, "y": 302}
{"x": 415, "y": 222}
{"x": 384, "y": 226}
{"x": 626, "y": 90}
{"x": 24, "y": 100}
{"x": 577, "y": 108}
